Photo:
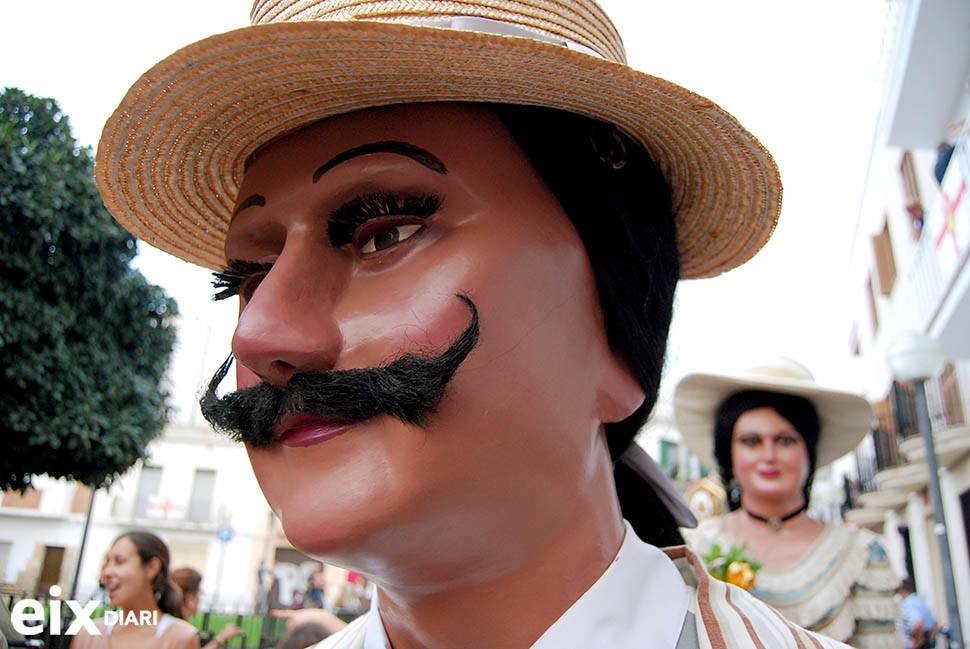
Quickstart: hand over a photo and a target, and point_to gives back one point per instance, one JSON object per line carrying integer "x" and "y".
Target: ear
{"x": 152, "y": 568}
{"x": 620, "y": 391}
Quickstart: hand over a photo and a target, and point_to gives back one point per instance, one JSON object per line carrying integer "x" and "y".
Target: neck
{"x": 771, "y": 508}
{"x": 542, "y": 567}
{"x": 776, "y": 522}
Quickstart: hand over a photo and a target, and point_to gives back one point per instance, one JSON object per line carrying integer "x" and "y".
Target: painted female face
{"x": 369, "y": 225}
{"x": 126, "y": 579}
{"x": 769, "y": 457}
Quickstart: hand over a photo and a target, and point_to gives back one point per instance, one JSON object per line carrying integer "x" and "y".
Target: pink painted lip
{"x": 773, "y": 473}
{"x": 308, "y": 429}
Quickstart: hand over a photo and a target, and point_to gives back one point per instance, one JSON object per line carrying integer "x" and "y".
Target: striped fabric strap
{"x": 727, "y": 617}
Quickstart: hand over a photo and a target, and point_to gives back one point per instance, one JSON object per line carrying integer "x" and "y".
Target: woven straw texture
{"x": 172, "y": 156}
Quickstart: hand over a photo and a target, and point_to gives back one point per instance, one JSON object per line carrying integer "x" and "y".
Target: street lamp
{"x": 914, "y": 358}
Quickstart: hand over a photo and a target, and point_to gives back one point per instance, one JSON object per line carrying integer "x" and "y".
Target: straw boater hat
{"x": 844, "y": 418}
{"x": 172, "y": 156}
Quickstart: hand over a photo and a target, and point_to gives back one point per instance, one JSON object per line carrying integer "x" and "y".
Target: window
{"x": 866, "y": 465}
{"x": 668, "y": 457}
{"x": 50, "y": 570}
{"x": 882, "y": 247}
{"x": 203, "y": 485}
{"x": 5, "y": 547}
{"x": 871, "y": 297}
{"x": 148, "y": 483}
{"x": 884, "y": 436}
{"x": 912, "y": 201}
{"x": 904, "y": 410}
{"x": 950, "y": 393}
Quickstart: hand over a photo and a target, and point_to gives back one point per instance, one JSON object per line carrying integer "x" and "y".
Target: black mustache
{"x": 409, "y": 389}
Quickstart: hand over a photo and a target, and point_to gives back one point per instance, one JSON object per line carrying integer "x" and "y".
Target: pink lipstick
{"x": 308, "y": 429}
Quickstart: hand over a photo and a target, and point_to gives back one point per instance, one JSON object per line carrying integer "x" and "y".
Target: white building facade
{"x": 194, "y": 489}
{"x": 910, "y": 271}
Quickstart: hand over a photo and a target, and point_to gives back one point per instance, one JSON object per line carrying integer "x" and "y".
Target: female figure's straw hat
{"x": 172, "y": 156}
{"x": 844, "y": 418}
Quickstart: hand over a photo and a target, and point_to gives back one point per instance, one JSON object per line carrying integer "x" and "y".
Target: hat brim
{"x": 172, "y": 155}
{"x": 844, "y": 417}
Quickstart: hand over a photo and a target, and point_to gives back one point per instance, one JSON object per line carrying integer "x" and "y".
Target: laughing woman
{"x": 135, "y": 574}
{"x": 765, "y": 433}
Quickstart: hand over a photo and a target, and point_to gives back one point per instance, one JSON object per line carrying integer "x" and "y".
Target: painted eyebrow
{"x": 255, "y": 199}
{"x": 416, "y": 153}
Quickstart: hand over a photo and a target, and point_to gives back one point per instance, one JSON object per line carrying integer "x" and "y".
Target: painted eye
{"x": 239, "y": 278}
{"x": 388, "y": 237}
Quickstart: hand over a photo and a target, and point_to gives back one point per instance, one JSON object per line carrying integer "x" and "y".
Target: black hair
{"x": 798, "y": 411}
{"x": 150, "y": 546}
{"x": 907, "y": 585}
{"x": 620, "y": 204}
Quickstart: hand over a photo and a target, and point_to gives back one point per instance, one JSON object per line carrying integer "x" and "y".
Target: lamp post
{"x": 914, "y": 358}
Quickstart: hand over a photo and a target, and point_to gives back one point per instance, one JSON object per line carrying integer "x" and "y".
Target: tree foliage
{"x": 84, "y": 338}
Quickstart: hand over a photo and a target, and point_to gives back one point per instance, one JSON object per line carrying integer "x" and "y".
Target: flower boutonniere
{"x": 734, "y": 566}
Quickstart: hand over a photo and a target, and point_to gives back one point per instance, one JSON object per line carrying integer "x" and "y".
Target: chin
{"x": 780, "y": 495}
{"x": 324, "y": 536}
{"x": 337, "y": 519}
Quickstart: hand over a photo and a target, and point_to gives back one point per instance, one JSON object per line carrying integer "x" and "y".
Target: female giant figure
{"x": 765, "y": 433}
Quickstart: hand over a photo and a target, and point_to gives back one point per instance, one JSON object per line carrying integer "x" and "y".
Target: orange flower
{"x": 740, "y": 574}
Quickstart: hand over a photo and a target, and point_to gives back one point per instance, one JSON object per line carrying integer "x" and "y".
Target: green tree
{"x": 84, "y": 338}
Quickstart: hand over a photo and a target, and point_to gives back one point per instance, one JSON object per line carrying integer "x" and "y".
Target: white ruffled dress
{"x": 842, "y": 586}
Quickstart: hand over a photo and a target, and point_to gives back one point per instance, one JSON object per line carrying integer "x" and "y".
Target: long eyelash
{"x": 346, "y": 219}
{"x": 229, "y": 280}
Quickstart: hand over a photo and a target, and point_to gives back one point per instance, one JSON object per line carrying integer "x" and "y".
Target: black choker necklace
{"x": 775, "y": 521}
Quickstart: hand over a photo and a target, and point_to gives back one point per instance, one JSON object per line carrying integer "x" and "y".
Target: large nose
{"x": 288, "y": 325}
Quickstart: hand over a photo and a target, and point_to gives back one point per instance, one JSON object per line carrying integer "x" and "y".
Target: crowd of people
{"x": 136, "y": 578}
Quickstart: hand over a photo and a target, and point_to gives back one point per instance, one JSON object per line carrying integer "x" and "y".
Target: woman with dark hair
{"x": 189, "y": 582}
{"x": 135, "y": 576}
{"x": 771, "y": 428}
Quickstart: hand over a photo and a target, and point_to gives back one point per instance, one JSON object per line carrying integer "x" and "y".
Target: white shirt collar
{"x": 640, "y": 601}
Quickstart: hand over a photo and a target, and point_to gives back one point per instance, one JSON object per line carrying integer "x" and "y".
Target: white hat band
{"x": 500, "y": 28}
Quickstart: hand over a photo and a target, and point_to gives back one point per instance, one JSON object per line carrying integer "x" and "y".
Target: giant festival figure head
{"x": 454, "y": 231}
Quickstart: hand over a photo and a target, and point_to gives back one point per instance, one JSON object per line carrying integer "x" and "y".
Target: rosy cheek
{"x": 425, "y": 323}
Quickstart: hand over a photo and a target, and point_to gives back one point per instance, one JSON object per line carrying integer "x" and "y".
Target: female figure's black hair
{"x": 798, "y": 411}
{"x": 620, "y": 204}
{"x": 150, "y": 546}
